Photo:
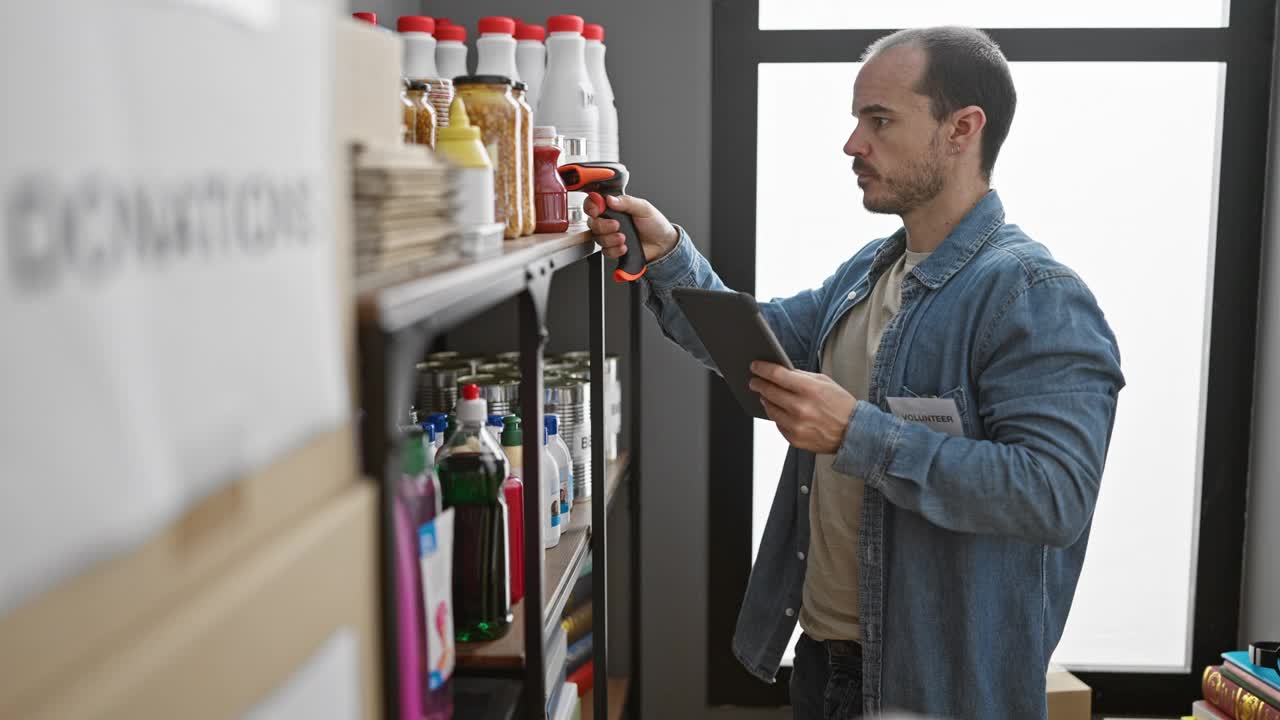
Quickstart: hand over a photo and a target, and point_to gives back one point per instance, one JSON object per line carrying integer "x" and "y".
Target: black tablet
{"x": 731, "y": 328}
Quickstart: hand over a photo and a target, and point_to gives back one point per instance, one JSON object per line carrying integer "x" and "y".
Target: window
{"x": 840, "y": 14}
{"x": 1088, "y": 172}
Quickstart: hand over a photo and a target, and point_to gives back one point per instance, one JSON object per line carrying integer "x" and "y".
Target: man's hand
{"x": 657, "y": 236}
{"x": 811, "y": 411}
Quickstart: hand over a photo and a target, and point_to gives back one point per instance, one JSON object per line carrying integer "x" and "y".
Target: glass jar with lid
{"x": 518, "y": 92}
{"x": 408, "y": 115}
{"x": 491, "y": 107}
{"x": 425, "y": 128}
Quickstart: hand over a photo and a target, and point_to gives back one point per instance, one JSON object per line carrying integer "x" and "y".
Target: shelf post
{"x": 636, "y": 694}
{"x": 599, "y": 502}
{"x": 533, "y": 340}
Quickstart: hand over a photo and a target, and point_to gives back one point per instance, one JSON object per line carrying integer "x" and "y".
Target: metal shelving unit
{"x": 397, "y": 323}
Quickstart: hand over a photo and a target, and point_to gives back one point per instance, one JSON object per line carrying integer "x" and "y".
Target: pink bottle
{"x": 417, "y": 503}
{"x": 408, "y": 615}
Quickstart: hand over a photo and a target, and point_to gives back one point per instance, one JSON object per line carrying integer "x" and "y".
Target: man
{"x": 947, "y": 447}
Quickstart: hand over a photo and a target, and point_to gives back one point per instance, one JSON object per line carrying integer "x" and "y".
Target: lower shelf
{"x": 618, "y": 687}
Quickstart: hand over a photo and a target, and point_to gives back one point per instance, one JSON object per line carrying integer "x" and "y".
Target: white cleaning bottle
{"x": 451, "y": 50}
{"x": 607, "y": 132}
{"x": 531, "y": 59}
{"x": 566, "y": 97}
{"x": 496, "y": 48}
{"x": 564, "y": 461}
{"x": 419, "y": 46}
{"x": 549, "y": 477}
{"x": 417, "y": 32}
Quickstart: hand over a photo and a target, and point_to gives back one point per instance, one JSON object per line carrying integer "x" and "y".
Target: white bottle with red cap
{"x": 451, "y": 49}
{"x": 607, "y": 132}
{"x": 566, "y": 98}
{"x": 496, "y": 48}
{"x": 419, "y": 46}
{"x": 417, "y": 33}
{"x": 531, "y": 59}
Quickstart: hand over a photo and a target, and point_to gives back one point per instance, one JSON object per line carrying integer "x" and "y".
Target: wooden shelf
{"x": 563, "y": 564}
{"x": 460, "y": 289}
{"x": 618, "y": 687}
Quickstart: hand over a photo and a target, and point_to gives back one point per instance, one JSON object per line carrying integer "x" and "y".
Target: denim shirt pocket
{"x": 961, "y": 399}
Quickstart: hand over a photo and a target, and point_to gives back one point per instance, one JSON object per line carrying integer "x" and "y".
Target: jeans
{"x": 826, "y": 681}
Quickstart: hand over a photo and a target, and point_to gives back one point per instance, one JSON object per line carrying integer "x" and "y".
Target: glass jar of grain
{"x": 425, "y": 133}
{"x": 491, "y": 107}
{"x": 408, "y": 115}
{"x": 518, "y": 91}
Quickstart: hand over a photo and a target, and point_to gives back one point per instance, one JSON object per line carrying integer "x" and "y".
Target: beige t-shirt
{"x": 830, "y": 609}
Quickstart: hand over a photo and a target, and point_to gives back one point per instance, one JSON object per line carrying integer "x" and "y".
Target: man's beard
{"x": 919, "y": 182}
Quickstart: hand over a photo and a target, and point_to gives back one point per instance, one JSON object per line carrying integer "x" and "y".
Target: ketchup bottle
{"x": 551, "y": 198}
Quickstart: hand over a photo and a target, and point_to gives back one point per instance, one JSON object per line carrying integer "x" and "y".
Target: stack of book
{"x": 564, "y": 666}
{"x": 577, "y": 629}
{"x": 403, "y": 200}
{"x": 1239, "y": 690}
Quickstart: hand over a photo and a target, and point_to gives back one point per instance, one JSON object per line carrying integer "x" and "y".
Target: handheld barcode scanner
{"x": 609, "y": 178}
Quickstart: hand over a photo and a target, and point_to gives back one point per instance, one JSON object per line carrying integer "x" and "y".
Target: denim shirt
{"x": 970, "y": 546}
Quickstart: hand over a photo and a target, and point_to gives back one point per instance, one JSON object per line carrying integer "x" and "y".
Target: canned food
{"x": 438, "y": 385}
{"x": 557, "y": 366}
{"x": 497, "y": 368}
{"x": 612, "y": 396}
{"x": 501, "y": 393}
{"x": 571, "y": 400}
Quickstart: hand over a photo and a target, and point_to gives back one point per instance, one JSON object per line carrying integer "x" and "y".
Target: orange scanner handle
{"x": 631, "y": 266}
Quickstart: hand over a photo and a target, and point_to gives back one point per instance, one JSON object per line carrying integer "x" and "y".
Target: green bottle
{"x": 472, "y": 468}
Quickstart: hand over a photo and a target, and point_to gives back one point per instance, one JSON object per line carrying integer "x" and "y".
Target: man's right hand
{"x": 657, "y": 235}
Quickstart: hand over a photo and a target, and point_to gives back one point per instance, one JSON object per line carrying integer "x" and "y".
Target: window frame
{"x": 1245, "y": 46}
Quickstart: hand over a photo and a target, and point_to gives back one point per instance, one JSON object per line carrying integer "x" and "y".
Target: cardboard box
{"x": 365, "y": 96}
{"x": 366, "y": 89}
{"x": 1069, "y": 699}
{"x": 276, "y": 625}
{"x": 183, "y": 327}
{"x": 62, "y": 632}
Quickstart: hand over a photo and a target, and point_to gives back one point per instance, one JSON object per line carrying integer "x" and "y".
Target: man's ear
{"x": 966, "y": 127}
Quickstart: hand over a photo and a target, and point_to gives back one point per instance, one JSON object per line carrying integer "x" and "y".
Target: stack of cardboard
{"x": 403, "y": 204}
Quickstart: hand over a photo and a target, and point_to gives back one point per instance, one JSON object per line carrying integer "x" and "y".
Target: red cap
{"x": 441, "y": 22}
{"x": 592, "y": 31}
{"x": 525, "y": 31}
{"x": 415, "y": 23}
{"x": 470, "y": 392}
{"x": 371, "y": 18}
{"x": 564, "y": 23}
{"x": 497, "y": 24}
{"x": 451, "y": 32}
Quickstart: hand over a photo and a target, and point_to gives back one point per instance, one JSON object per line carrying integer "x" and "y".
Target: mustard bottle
{"x": 459, "y": 144}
